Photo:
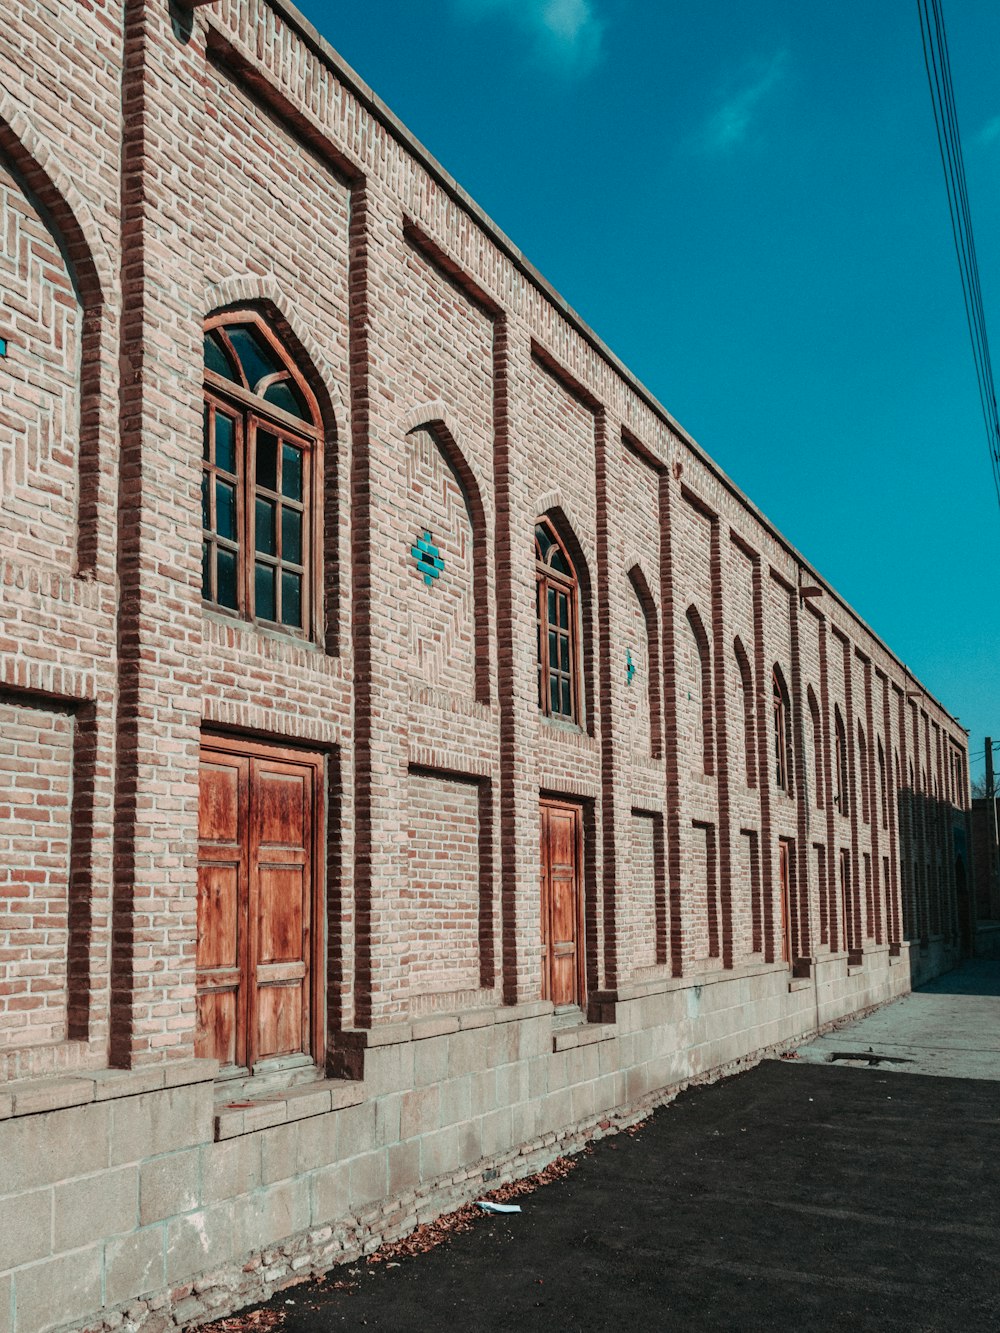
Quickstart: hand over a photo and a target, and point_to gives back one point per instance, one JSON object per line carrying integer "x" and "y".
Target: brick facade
{"x": 737, "y": 888}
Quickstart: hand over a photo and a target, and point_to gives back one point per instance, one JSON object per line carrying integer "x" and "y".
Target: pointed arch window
{"x": 882, "y": 789}
{"x": 817, "y": 746}
{"x": 863, "y": 766}
{"x": 782, "y": 733}
{"x": 841, "y": 799}
{"x": 260, "y": 464}
{"x": 749, "y": 723}
{"x": 556, "y": 607}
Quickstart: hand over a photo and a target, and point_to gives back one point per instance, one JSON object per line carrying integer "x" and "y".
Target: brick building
{"x": 416, "y": 756}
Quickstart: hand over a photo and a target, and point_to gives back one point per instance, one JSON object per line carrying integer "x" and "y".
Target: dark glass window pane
{"x": 564, "y": 654}
{"x": 263, "y": 584}
{"x": 217, "y": 360}
{"x": 267, "y": 460}
{"x": 225, "y": 509}
{"x": 284, "y": 394}
{"x": 225, "y": 443}
{"x": 291, "y": 471}
{"x": 266, "y": 539}
{"x": 554, "y": 693}
{"x": 206, "y": 570}
{"x": 291, "y": 599}
{"x": 543, "y": 541}
{"x": 291, "y": 536}
{"x": 225, "y": 570}
{"x": 552, "y": 607}
{"x": 563, "y": 611}
{"x": 205, "y": 443}
{"x": 567, "y": 706}
{"x": 206, "y": 500}
{"x": 256, "y": 357}
{"x": 558, "y": 561}
{"x": 553, "y": 650}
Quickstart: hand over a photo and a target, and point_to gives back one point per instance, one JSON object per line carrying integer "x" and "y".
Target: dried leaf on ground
{"x": 431, "y": 1234}
{"x": 249, "y": 1321}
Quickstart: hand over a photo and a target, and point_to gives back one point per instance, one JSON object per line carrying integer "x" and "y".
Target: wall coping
{"x": 33, "y": 1096}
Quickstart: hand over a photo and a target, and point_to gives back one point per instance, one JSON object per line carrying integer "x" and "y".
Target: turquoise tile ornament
{"x": 428, "y": 559}
{"x": 629, "y": 666}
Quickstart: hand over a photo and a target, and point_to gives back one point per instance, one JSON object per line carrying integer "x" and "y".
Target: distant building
{"x": 984, "y": 822}
{"x": 416, "y": 756}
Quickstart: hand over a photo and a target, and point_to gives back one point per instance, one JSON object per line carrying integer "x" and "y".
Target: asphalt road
{"x": 796, "y": 1196}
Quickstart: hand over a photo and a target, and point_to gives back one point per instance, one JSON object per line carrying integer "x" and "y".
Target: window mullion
{"x": 248, "y": 456}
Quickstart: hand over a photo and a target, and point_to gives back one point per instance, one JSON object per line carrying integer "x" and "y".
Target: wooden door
{"x": 785, "y": 887}
{"x": 256, "y": 910}
{"x": 561, "y": 917}
{"x": 846, "y": 915}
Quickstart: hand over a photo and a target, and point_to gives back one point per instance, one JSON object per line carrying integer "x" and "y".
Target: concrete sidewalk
{"x": 949, "y": 1027}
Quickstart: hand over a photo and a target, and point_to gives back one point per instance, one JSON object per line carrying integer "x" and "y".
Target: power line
{"x": 938, "y": 65}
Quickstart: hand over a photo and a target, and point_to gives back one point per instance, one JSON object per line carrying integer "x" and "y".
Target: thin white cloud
{"x": 990, "y": 132}
{"x": 731, "y": 123}
{"x": 565, "y": 34}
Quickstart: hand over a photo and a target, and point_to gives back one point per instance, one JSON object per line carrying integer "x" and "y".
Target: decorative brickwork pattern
{"x": 439, "y": 907}
{"x": 36, "y": 778}
{"x": 42, "y": 323}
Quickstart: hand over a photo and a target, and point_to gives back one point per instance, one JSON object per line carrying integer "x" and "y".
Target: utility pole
{"x": 991, "y": 831}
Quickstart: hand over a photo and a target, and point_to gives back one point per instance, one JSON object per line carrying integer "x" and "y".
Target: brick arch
{"x": 561, "y": 519}
{"x": 434, "y": 419}
{"x": 35, "y": 161}
{"x": 266, "y": 296}
{"x": 647, "y": 603}
{"x": 67, "y": 216}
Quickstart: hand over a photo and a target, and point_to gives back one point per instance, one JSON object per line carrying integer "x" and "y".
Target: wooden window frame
{"x": 252, "y": 413}
{"x": 568, "y": 585}
{"x": 314, "y": 941}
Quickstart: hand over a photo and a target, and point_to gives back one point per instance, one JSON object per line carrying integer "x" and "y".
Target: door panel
{"x": 282, "y": 800}
{"x": 219, "y": 799}
{"x": 221, "y": 950}
{"x": 215, "y": 1036}
{"x": 560, "y": 903}
{"x": 281, "y": 909}
{"x": 280, "y": 1030}
{"x": 218, "y": 909}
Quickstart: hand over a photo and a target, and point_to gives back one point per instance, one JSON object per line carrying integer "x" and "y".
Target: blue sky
{"x": 747, "y": 204}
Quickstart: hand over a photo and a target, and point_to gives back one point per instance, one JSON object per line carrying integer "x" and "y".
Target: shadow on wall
{"x": 935, "y": 886}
